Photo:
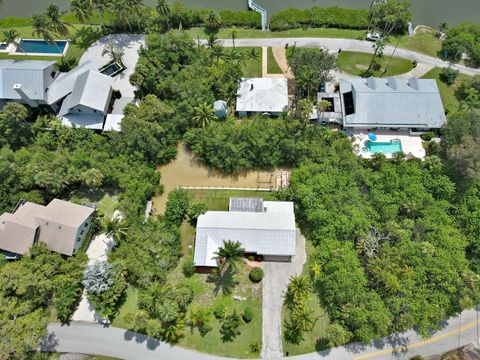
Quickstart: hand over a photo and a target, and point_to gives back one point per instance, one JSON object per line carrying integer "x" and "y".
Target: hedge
{"x": 334, "y": 17}
{"x": 247, "y": 19}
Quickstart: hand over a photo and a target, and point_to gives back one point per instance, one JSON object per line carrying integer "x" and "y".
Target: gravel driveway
{"x": 275, "y": 283}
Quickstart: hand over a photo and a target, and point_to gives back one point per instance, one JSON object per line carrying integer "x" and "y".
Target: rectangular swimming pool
{"x": 391, "y": 147}
{"x": 41, "y": 47}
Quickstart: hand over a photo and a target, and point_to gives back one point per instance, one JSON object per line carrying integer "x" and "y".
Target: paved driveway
{"x": 130, "y": 43}
{"x": 275, "y": 283}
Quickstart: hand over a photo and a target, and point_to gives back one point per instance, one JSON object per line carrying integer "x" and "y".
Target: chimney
{"x": 392, "y": 82}
{"x": 413, "y": 82}
{"x": 371, "y": 83}
{"x": 24, "y": 95}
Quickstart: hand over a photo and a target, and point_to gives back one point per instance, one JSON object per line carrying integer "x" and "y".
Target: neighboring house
{"x": 89, "y": 102}
{"x": 26, "y": 81}
{"x": 393, "y": 104}
{"x": 267, "y": 96}
{"x": 265, "y": 228}
{"x": 61, "y": 225}
{"x": 81, "y": 97}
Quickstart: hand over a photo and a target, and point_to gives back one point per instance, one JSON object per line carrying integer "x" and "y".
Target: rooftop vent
{"x": 371, "y": 83}
{"x": 413, "y": 82}
{"x": 392, "y": 82}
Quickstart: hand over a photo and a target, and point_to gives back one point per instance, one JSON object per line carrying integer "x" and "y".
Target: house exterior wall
{"x": 275, "y": 258}
{"x": 82, "y": 232}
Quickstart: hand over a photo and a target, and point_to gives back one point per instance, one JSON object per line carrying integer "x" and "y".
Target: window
{"x": 78, "y": 239}
{"x": 86, "y": 224}
{"x": 81, "y": 232}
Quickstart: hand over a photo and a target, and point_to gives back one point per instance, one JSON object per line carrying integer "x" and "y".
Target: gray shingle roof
{"x": 402, "y": 103}
{"x": 33, "y": 75}
{"x": 263, "y": 233}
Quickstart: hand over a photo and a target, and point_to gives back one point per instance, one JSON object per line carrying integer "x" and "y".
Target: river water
{"x": 429, "y": 12}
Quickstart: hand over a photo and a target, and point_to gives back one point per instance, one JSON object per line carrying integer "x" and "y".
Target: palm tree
{"x": 217, "y": 51}
{"x": 203, "y": 114}
{"x": 299, "y": 288}
{"x": 230, "y": 254}
{"x": 443, "y": 26}
{"x": 11, "y": 36}
{"x": 174, "y": 331}
{"x": 122, "y": 11}
{"x": 114, "y": 52}
{"x": 212, "y": 41}
{"x": 82, "y": 9}
{"x": 42, "y": 28}
{"x": 115, "y": 228}
{"x": 303, "y": 317}
{"x": 57, "y": 24}
{"x": 233, "y": 34}
{"x": 253, "y": 54}
{"x": 163, "y": 9}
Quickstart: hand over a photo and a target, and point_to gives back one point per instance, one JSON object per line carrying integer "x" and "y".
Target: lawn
{"x": 447, "y": 93}
{"x": 253, "y": 67}
{"x": 355, "y": 63}
{"x": 128, "y": 306}
{"x": 255, "y": 34}
{"x": 312, "y": 340}
{"x": 272, "y": 66}
{"x": 425, "y": 43}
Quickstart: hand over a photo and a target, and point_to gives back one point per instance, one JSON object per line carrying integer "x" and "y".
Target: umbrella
{"x": 372, "y": 137}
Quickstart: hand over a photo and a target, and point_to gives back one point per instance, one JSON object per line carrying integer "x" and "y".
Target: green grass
{"x": 425, "y": 43}
{"x": 447, "y": 93}
{"x": 256, "y": 34}
{"x": 311, "y": 341}
{"x": 272, "y": 65}
{"x": 128, "y": 306}
{"x": 355, "y": 63}
{"x": 253, "y": 67}
{"x": 105, "y": 199}
{"x": 218, "y": 199}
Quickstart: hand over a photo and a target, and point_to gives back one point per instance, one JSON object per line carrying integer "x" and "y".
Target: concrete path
{"x": 275, "y": 284}
{"x": 130, "y": 43}
{"x": 333, "y": 44}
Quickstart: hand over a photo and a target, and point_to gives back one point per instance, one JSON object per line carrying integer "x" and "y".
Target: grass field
{"x": 427, "y": 44}
{"x": 450, "y": 102}
{"x": 355, "y": 63}
{"x": 312, "y": 340}
{"x": 253, "y": 67}
{"x": 272, "y": 66}
{"x": 105, "y": 200}
{"x": 128, "y": 306}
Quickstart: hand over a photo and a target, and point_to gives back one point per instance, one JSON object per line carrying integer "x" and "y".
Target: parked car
{"x": 374, "y": 36}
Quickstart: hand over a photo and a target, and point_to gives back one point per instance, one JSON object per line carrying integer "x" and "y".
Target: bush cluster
{"x": 247, "y": 315}
{"x": 332, "y": 17}
{"x": 256, "y": 275}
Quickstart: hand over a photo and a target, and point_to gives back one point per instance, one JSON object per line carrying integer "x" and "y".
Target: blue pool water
{"x": 392, "y": 147}
{"x": 41, "y": 47}
{"x": 3, "y": 46}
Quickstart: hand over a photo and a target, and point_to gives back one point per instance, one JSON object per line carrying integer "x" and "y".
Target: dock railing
{"x": 254, "y": 6}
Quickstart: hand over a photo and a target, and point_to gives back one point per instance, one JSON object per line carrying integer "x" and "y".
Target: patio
{"x": 411, "y": 145}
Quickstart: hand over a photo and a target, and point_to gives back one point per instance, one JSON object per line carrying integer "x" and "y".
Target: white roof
{"x": 394, "y": 102}
{"x": 263, "y": 233}
{"x": 113, "y": 122}
{"x": 262, "y": 95}
{"x": 64, "y": 83}
{"x": 33, "y": 75}
{"x": 89, "y": 121}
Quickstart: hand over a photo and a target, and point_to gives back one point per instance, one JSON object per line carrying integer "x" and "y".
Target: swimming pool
{"x": 391, "y": 147}
{"x": 3, "y": 47}
{"x": 32, "y": 46}
{"x": 112, "y": 69}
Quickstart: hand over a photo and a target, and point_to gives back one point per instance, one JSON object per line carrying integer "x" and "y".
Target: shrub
{"x": 256, "y": 274}
{"x": 417, "y": 357}
{"x": 243, "y": 18}
{"x": 255, "y": 347}
{"x": 219, "y": 311}
{"x": 188, "y": 267}
{"x": 449, "y": 75}
{"x": 428, "y": 136}
{"x": 414, "y": 63}
{"x": 213, "y": 20}
{"x": 247, "y": 315}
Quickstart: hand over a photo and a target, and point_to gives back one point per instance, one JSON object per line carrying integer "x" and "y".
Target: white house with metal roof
{"x": 61, "y": 225}
{"x": 265, "y": 228}
{"x": 268, "y": 96}
{"x": 393, "y": 103}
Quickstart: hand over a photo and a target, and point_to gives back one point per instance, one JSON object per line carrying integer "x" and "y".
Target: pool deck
{"x": 411, "y": 144}
{"x": 12, "y": 49}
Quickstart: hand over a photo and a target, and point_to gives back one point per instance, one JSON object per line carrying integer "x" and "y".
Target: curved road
{"x": 334, "y": 44}
{"x": 110, "y": 341}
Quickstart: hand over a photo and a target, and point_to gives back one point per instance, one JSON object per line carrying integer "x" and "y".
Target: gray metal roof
{"x": 394, "y": 102}
{"x": 64, "y": 83}
{"x": 246, "y": 204}
{"x": 33, "y": 75}
{"x": 92, "y": 89}
{"x": 262, "y": 95}
{"x": 263, "y": 233}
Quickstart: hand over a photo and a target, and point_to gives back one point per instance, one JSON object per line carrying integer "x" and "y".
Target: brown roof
{"x": 58, "y": 224}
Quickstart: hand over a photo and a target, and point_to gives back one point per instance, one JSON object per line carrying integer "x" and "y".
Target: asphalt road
{"x": 110, "y": 341}
{"x": 335, "y": 44}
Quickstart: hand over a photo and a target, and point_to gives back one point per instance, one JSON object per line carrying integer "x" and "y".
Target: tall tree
{"x": 11, "y": 37}
{"x": 57, "y": 24}
{"x": 229, "y": 255}
{"x": 113, "y": 51}
{"x": 163, "y": 9}
{"x": 203, "y": 114}
{"x": 82, "y": 9}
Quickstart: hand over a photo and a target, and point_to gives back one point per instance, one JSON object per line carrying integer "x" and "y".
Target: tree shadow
{"x": 86, "y": 36}
{"x": 48, "y": 343}
{"x": 224, "y": 283}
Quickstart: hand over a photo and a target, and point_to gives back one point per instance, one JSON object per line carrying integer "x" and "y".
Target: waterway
{"x": 185, "y": 170}
{"x": 428, "y": 12}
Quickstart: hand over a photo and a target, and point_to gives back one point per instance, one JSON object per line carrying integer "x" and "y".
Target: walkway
{"x": 333, "y": 44}
{"x": 130, "y": 43}
{"x": 275, "y": 284}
